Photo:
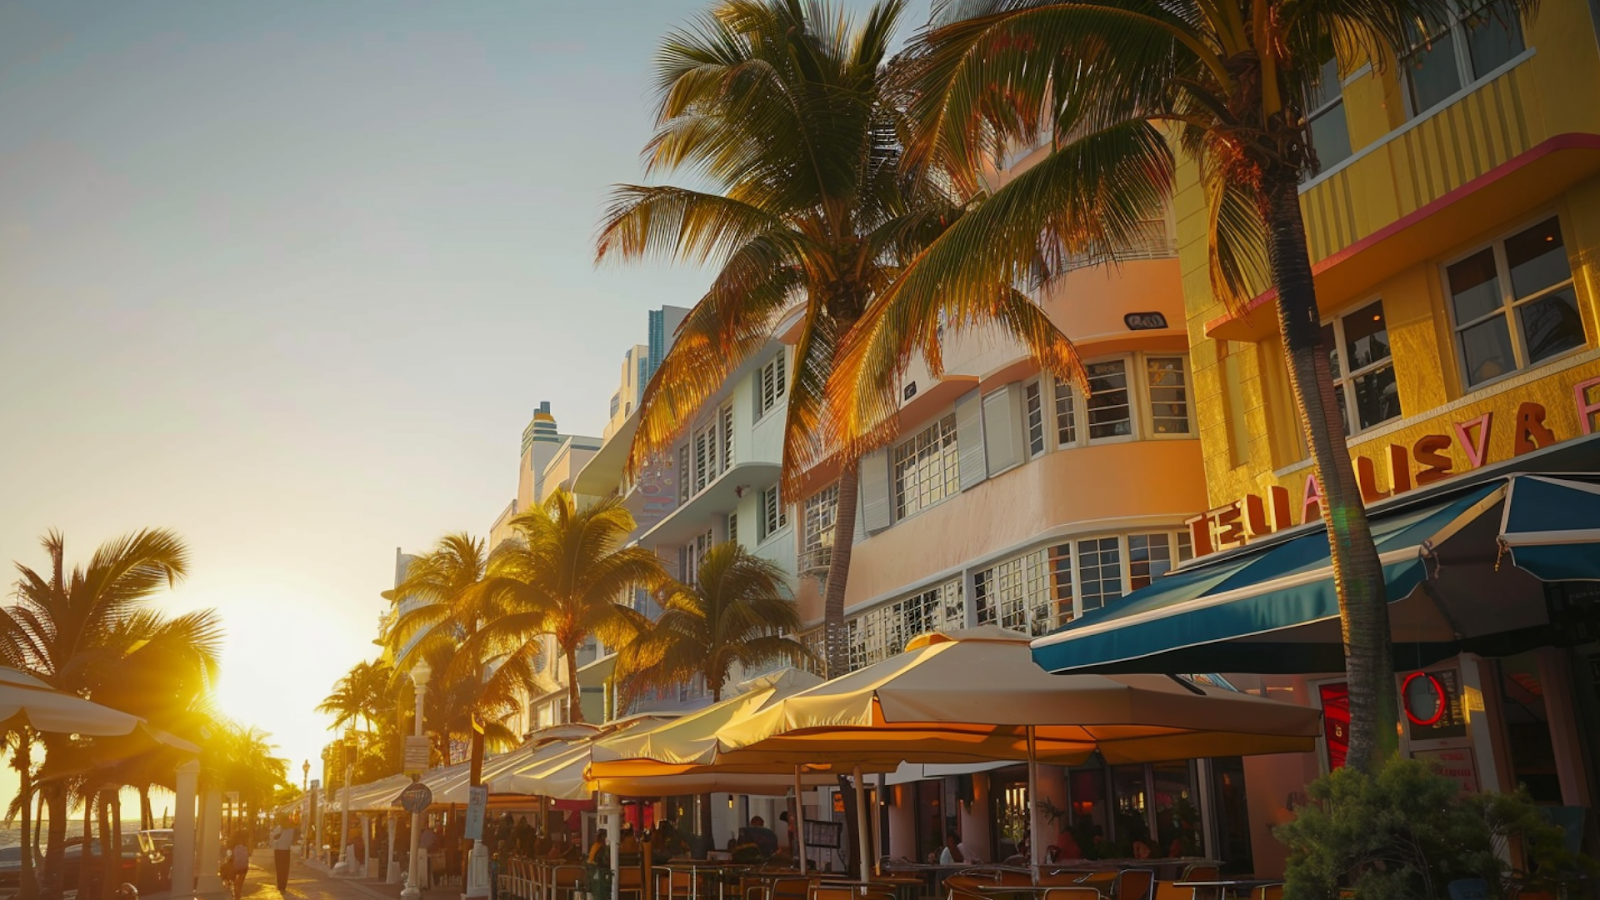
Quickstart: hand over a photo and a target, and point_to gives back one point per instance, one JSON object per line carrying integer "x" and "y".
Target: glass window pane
{"x": 1330, "y": 136}
{"x": 1108, "y": 405}
{"x": 1169, "y": 395}
{"x": 1474, "y": 287}
{"x": 1344, "y": 413}
{"x": 1366, "y": 337}
{"x": 1537, "y": 258}
{"x": 1551, "y": 324}
{"x": 1099, "y": 572}
{"x": 1377, "y": 400}
{"x": 1035, "y": 407}
{"x": 1493, "y": 39}
{"x": 1486, "y": 348}
{"x": 1066, "y": 415}
{"x": 1330, "y": 343}
{"x": 1433, "y": 73}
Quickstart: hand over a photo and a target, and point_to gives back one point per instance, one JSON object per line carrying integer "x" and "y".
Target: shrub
{"x": 1407, "y": 832}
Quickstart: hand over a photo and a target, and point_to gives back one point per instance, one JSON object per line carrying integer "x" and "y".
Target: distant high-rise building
{"x": 664, "y": 324}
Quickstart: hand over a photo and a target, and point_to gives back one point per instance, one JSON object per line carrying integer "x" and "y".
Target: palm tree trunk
{"x": 1358, "y": 575}
{"x": 147, "y": 819}
{"x": 844, "y": 535}
{"x": 110, "y": 845}
{"x": 55, "y": 797}
{"x": 27, "y": 887}
{"x": 574, "y": 696}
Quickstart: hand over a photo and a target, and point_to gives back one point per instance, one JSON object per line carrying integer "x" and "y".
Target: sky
{"x": 289, "y": 278}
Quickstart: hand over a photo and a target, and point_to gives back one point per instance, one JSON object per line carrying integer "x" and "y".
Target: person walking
{"x": 241, "y": 862}
{"x": 282, "y": 842}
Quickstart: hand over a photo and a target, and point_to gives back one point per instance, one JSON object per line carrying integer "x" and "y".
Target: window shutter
{"x": 969, "y": 440}
{"x": 1002, "y": 429}
{"x": 875, "y": 491}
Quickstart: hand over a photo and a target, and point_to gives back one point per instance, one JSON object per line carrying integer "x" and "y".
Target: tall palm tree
{"x": 88, "y": 631}
{"x": 486, "y": 682}
{"x": 782, "y": 107}
{"x": 1104, "y": 85}
{"x": 737, "y": 612}
{"x": 361, "y": 696}
{"x": 564, "y": 576}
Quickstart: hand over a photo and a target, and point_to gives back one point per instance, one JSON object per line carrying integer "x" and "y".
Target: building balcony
{"x": 694, "y": 516}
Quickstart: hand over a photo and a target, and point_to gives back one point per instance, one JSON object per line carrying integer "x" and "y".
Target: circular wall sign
{"x": 1424, "y": 699}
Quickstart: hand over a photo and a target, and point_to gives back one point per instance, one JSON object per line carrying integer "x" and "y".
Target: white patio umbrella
{"x": 26, "y": 700}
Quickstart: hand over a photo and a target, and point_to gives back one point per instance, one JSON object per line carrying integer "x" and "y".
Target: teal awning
{"x": 1551, "y": 527}
{"x": 1262, "y": 598}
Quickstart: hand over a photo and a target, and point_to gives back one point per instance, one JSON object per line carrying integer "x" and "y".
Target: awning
{"x": 1276, "y": 607}
{"x": 1551, "y": 527}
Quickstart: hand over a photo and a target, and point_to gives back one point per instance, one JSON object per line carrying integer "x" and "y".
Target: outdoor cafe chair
{"x": 795, "y": 887}
{"x": 567, "y": 882}
{"x": 1201, "y": 872}
{"x": 1267, "y": 892}
{"x": 630, "y": 883}
{"x": 1078, "y": 892}
{"x": 1133, "y": 884}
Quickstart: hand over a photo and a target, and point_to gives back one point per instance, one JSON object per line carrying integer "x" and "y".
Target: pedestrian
{"x": 282, "y": 843}
{"x": 241, "y": 862}
{"x": 425, "y": 844}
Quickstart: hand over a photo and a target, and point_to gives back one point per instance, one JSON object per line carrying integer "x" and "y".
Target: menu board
{"x": 1455, "y": 763}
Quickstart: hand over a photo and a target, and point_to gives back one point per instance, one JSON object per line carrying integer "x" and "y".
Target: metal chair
{"x": 567, "y": 882}
{"x": 1133, "y": 884}
{"x": 1077, "y": 892}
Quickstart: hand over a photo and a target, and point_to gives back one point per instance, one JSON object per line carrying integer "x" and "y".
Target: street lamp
{"x": 420, "y": 674}
{"x": 344, "y": 811}
{"x": 305, "y": 820}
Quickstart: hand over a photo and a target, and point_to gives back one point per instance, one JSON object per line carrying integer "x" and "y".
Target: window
{"x": 1513, "y": 303}
{"x": 1149, "y": 557}
{"x": 773, "y": 515}
{"x": 690, "y": 556}
{"x": 616, "y": 404}
{"x": 1099, "y": 571}
{"x": 821, "y": 511}
{"x": 1066, "y": 415}
{"x": 1010, "y": 592}
{"x": 771, "y": 383}
{"x": 926, "y": 468}
{"x": 1363, "y": 370}
{"x": 1481, "y": 37}
{"x": 685, "y": 473}
{"x": 733, "y": 527}
{"x": 884, "y": 631}
{"x": 726, "y": 423}
{"x": 1330, "y": 132}
{"x": 1169, "y": 394}
{"x": 1109, "y": 413}
{"x": 1033, "y": 411}
{"x": 1064, "y": 609}
{"x": 706, "y": 447}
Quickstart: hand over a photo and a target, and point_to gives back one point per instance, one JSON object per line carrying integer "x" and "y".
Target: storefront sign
{"x": 477, "y": 807}
{"x": 1144, "y": 321}
{"x": 1425, "y": 699}
{"x": 417, "y": 753}
{"x": 1335, "y": 696}
{"x": 1431, "y": 458}
{"x": 1456, "y": 764}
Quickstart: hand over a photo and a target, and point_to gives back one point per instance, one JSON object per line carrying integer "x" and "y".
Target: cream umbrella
{"x": 976, "y": 695}
{"x": 28, "y": 701}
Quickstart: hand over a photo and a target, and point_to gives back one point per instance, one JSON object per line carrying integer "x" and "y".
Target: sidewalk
{"x": 308, "y": 881}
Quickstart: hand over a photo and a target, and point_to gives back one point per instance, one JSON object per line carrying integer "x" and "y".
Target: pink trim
{"x": 1561, "y": 142}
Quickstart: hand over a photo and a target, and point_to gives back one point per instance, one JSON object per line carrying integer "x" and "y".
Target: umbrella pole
{"x": 863, "y": 839}
{"x": 1033, "y": 806}
{"x": 798, "y": 826}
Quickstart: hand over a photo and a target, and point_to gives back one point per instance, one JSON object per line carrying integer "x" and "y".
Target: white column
{"x": 903, "y": 822}
{"x": 974, "y": 818}
{"x": 1556, "y": 680}
{"x": 864, "y": 840}
{"x": 183, "y": 830}
{"x": 210, "y": 843}
{"x": 1052, "y": 789}
{"x": 394, "y": 852}
{"x": 371, "y": 868}
{"x": 413, "y": 889}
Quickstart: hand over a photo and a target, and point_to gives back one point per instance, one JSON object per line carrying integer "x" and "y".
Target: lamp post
{"x": 413, "y": 889}
{"x": 305, "y": 820}
{"x": 344, "y": 806}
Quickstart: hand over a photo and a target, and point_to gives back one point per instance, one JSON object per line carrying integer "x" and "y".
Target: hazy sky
{"x": 290, "y": 277}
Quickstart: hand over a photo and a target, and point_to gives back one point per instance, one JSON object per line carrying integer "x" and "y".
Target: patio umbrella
{"x": 973, "y": 695}
{"x": 26, "y": 700}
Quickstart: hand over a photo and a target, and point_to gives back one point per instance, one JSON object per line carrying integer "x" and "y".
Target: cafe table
{"x": 1223, "y": 888}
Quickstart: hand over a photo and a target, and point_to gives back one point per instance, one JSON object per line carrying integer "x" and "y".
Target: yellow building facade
{"x": 1461, "y": 343}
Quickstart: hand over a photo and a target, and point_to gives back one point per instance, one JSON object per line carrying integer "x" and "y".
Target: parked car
{"x": 147, "y": 870}
{"x": 11, "y": 869}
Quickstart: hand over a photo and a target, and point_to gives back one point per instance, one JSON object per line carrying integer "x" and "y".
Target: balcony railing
{"x": 816, "y": 560}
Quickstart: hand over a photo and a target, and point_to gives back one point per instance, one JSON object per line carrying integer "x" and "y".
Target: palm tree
{"x": 360, "y": 697}
{"x": 1104, "y": 85}
{"x": 88, "y": 632}
{"x": 737, "y": 612}
{"x": 486, "y": 682}
{"x": 564, "y": 576}
{"x": 783, "y": 108}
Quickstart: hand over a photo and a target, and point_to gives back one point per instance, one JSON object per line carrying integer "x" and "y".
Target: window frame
{"x": 1333, "y": 106}
{"x": 945, "y": 425}
{"x": 1509, "y": 303}
{"x": 1140, "y": 402}
{"x": 1344, "y": 382}
{"x": 773, "y": 516}
{"x": 775, "y": 370}
{"x": 1461, "y": 52}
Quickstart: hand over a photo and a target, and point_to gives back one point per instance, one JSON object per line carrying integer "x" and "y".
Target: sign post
{"x": 477, "y": 808}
